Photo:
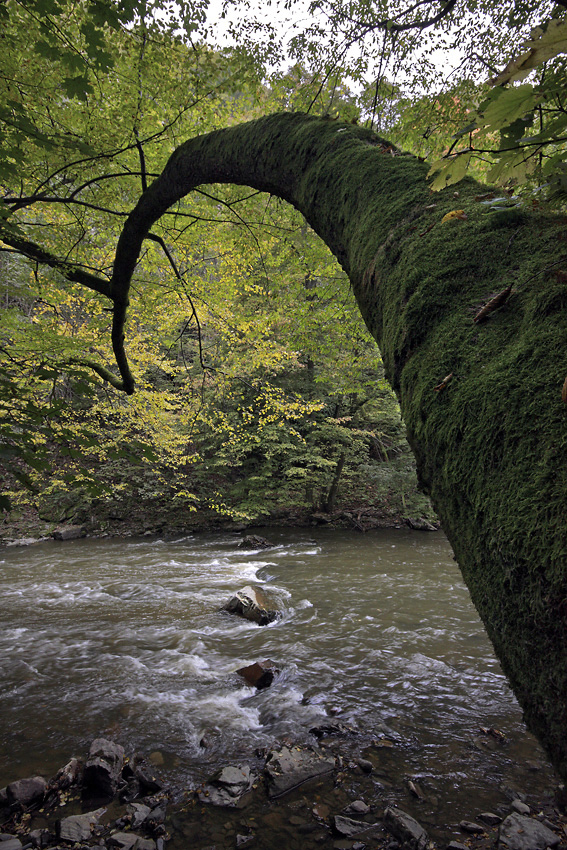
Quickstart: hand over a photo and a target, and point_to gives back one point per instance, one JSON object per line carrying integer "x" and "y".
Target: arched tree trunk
{"x": 481, "y": 400}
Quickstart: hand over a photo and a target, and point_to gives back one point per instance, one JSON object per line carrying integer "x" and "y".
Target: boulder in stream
{"x": 253, "y": 604}
{"x": 405, "y": 829}
{"x": 289, "y": 767}
{"x": 518, "y": 832}
{"x": 260, "y": 674}
{"x": 228, "y": 786}
{"x": 103, "y": 768}
{"x": 254, "y": 541}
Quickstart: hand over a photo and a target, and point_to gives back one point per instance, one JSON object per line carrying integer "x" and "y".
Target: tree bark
{"x": 481, "y": 400}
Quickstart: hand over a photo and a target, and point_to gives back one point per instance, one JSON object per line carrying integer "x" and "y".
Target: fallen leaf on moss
{"x": 454, "y": 214}
{"x": 440, "y": 387}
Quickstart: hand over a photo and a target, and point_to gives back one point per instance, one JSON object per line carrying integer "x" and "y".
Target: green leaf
{"x": 78, "y": 87}
{"x": 507, "y": 105}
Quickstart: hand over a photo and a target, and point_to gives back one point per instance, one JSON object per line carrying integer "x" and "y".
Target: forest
{"x": 260, "y": 392}
{"x": 174, "y": 333}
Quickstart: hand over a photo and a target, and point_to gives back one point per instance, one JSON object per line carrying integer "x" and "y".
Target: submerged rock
{"x": 253, "y": 604}
{"x": 405, "y": 829}
{"x": 518, "y": 832}
{"x": 260, "y": 674}
{"x": 289, "y": 767}
{"x": 332, "y": 726}
{"x": 347, "y": 827}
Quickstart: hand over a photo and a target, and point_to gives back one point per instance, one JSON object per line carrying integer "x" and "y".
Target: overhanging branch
{"x": 68, "y": 270}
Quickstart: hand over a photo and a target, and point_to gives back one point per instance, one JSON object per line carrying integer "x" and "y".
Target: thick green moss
{"x": 491, "y": 446}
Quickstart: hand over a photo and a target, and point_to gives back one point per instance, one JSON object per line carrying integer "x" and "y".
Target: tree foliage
{"x": 257, "y": 386}
{"x": 243, "y": 344}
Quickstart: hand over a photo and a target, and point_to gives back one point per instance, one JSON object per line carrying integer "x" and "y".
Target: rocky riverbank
{"x": 294, "y": 796}
{"x": 25, "y": 526}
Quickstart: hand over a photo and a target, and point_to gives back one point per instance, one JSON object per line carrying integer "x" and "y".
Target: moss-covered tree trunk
{"x": 490, "y": 440}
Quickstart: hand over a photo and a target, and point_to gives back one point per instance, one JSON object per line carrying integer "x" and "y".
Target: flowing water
{"x": 124, "y": 639}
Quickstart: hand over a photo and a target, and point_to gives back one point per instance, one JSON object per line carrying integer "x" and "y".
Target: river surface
{"x": 124, "y": 639}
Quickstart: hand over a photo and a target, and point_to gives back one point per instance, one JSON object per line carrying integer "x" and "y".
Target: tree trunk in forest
{"x": 329, "y": 505}
{"x": 481, "y": 399}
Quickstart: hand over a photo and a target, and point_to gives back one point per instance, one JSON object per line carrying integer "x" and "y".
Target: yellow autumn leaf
{"x": 454, "y": 214}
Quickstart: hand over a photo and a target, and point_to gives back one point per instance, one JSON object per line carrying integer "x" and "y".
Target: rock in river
{"x": 260, "y": 674}
{"x": 253, "y": 604}
{"x": 254, "y": 541}
{"x": 227, "y": 786}
{"x": 405, "y": 829}
{"x": 518, "y": 832}
{"x": 291, "y": 766}
{"x": 103, "y": 768}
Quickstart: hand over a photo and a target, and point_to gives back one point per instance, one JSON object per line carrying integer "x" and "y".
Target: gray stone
{"x": 254, "y": 541}
{"x": 139, "y": 813}
{"x": 123, "y": 840}
{"x": 147, "y": 780}
{"x": 365, "y": 765}
{"x": 157, "y": 814}
{"x": 79, "y": 827}
{"x": 103, "y": 767}
{"x": 227, "y": 786}
{"x": 405, "y": 829}
{"x": 69, "y": 532}
{"x": 473, "y": 828}
{"x": 456, "y": 845}
{"x": 357, "y": 807}
{"x": 518, "y": 832}
{"x": 144, "y": 844}
{"x": 253, "y": 604}
{"x": 291, "y": 766}
{"x": 348, "y": 827}
{"x": 39, "y": 837}
{"x": 26, "y": 791}
{"x": 4, "y": 797}
{"x": 490, "y": 818}
{"x": 11, "y": 844}
{"x": 520, "y": 807}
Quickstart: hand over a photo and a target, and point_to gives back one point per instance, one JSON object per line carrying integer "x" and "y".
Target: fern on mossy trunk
{"x": 491, "y": 440}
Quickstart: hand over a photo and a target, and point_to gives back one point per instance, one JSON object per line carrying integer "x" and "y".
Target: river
{"x": 123, "y": 638}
